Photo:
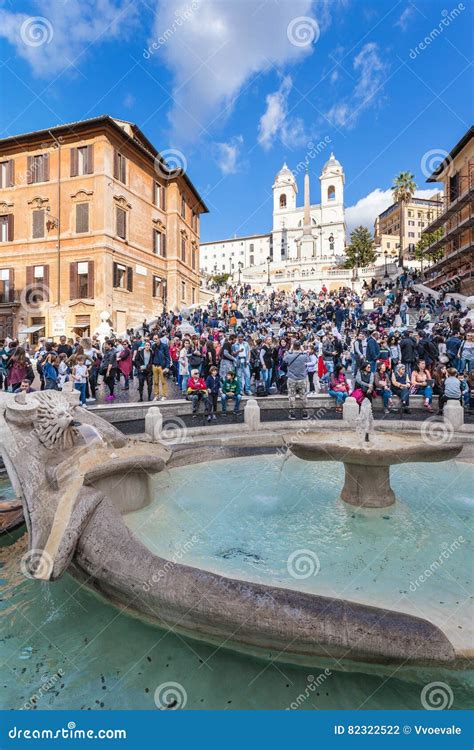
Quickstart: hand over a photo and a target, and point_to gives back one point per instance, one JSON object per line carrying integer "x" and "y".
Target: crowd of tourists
{"x": 389, "y": 341}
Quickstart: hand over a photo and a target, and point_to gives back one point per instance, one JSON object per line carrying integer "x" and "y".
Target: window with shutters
{"x": 193, "y": 258}
{"x": 6, "y": 228}
{"x": 123, "y": 276}
{"x": 82, "y": 279}
{"x": 82, "y": 218}
{"x": 157, "y": 287}
{"x": 159, "y": 195}
{"x": 183, "y": 249}
{"x": 183, "y": 206}
{"x": 121, "y": 222}
{"x": 120, "y": 167}
{"x": 193, "y": 295}
{"x": 159, "y": 243}
{"x": 6, "y": 173}
{"x": 38, "y": 223}
{"x": 38, "y": 168}
{"x": 183, "y": 290}
{"x": 6, "y": 285}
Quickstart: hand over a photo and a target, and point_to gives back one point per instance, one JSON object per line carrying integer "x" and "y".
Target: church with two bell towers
{"x": 306, "y": 238}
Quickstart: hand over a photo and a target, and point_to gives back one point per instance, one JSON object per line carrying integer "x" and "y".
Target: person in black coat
{"x": 409, "y": 351}
{"x": 144, "y": 366}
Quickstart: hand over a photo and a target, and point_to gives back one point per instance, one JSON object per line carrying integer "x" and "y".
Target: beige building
{"x": 417, "y": 215}
{"x": 93, "y": 221}
{"x": 454, "y": 272}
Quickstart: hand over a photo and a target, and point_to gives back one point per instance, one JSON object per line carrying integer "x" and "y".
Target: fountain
{"x": 367, "y": 457}
{"x": 79, "y": 492}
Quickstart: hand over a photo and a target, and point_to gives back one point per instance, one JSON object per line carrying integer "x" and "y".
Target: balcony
{"x": 11, "y": 297}
{"x": 450, "y": 204}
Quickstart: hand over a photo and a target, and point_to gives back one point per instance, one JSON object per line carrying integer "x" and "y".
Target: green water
{"x": 73, "y": 651}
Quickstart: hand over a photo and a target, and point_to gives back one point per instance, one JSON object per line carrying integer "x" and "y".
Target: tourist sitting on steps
{"x": 452, "y": 389}
{"x": 401, "y": 386}
{"x": 196, "y": 391}
{"x": 422, "y": 383}
{"x": 231, "y": 389}
{"x": 338, "y": 387}
{"x": 364, "y": 383}
{"x": 296, "y": 362}
{"x": 382, "y": 387}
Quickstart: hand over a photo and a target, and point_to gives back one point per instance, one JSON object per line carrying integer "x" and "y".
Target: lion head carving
{"x": 54, "y": 422}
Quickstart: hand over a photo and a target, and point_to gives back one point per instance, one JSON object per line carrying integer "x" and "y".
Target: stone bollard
{"x": 252, "y": 414}
{"x": 350, "y": 410}
{"x": 154, "y": 422}
{"x": 453, "y": 414}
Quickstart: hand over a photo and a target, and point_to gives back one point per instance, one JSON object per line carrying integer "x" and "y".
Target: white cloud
{"x": 227, "y": 155}
{"x": 371, "y": 71}
{"x": 60, "y": 31}
{"x": 370, "y": 206}
{"x": 275, "y": 123}
{"x": 274, "y": 116}
{"x": 129, "y": 101}
{"x": 404, "y": 19}
{"x": 219, "y": 47}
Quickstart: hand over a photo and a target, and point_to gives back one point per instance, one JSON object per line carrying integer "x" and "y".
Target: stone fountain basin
{"x": 85, "y": 533}
{"x": 367, "y": 463}
{"x": 382, "y": 449}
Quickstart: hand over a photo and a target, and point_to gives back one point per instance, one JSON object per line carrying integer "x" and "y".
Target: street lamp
{"x": 269, "y": 260}
{"x": 240, "y": 265}
{"x": 385, "y": 259}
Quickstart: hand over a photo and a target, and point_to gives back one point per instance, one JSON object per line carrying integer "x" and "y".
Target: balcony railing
{"x": 12, "y": 296}
{"x": 453, "y": 199}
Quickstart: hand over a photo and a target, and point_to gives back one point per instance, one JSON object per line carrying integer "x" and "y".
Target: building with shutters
{"x": 92, "y": 220}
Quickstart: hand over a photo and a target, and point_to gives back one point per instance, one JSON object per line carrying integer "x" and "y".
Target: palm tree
{"x": 403, "y": 190}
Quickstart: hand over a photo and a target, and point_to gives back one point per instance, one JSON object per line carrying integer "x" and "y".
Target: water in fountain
{"x": 89, "y": 434}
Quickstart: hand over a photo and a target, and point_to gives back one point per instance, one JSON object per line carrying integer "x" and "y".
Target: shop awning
{"x": 31, "y": 329}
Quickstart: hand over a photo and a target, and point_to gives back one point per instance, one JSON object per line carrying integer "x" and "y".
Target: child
{"x": 79, "y": 375}
{"x": 231, "y": 389}
{"x": 63, "y": 370}
{"x": 465, "y": 395}
{"x": 50, "y": 372}
{"x": 196, "y": 390}
{"x": 213, "y": 385}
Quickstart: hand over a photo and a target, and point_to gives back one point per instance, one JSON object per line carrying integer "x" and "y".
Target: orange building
{"x": 92, "y": 220}
{"x": 454, "y": 220}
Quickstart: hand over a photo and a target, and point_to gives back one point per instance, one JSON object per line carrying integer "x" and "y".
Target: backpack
{"x": 260, "y": 390}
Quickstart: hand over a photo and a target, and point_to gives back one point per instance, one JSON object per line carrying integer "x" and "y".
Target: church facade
{"x": 301, "y": 237}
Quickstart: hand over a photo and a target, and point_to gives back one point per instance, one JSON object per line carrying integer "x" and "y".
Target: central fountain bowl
{"x": 367, "y": 462}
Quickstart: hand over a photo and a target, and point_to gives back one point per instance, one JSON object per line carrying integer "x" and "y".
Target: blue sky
{"x": 233, "y": 88}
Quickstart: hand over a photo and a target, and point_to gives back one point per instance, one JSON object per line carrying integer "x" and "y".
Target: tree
{"x": 403, "y": 190}
{"x": 427, "y": 239}
{"x": 220, "y": 278}
{"x": 361, "y": 251}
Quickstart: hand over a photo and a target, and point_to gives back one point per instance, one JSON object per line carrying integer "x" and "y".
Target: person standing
{"x": 144, "y": 365}
{"x": 79, "y": 376}
{"x": 161, "y": 364}
{"x": 296, "y": 362}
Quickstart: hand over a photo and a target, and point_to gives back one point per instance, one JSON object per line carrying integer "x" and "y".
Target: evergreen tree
{"x": 361, "y": 251}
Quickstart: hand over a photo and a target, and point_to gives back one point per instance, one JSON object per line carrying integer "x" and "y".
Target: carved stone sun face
{"x": 54, "y": 421}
